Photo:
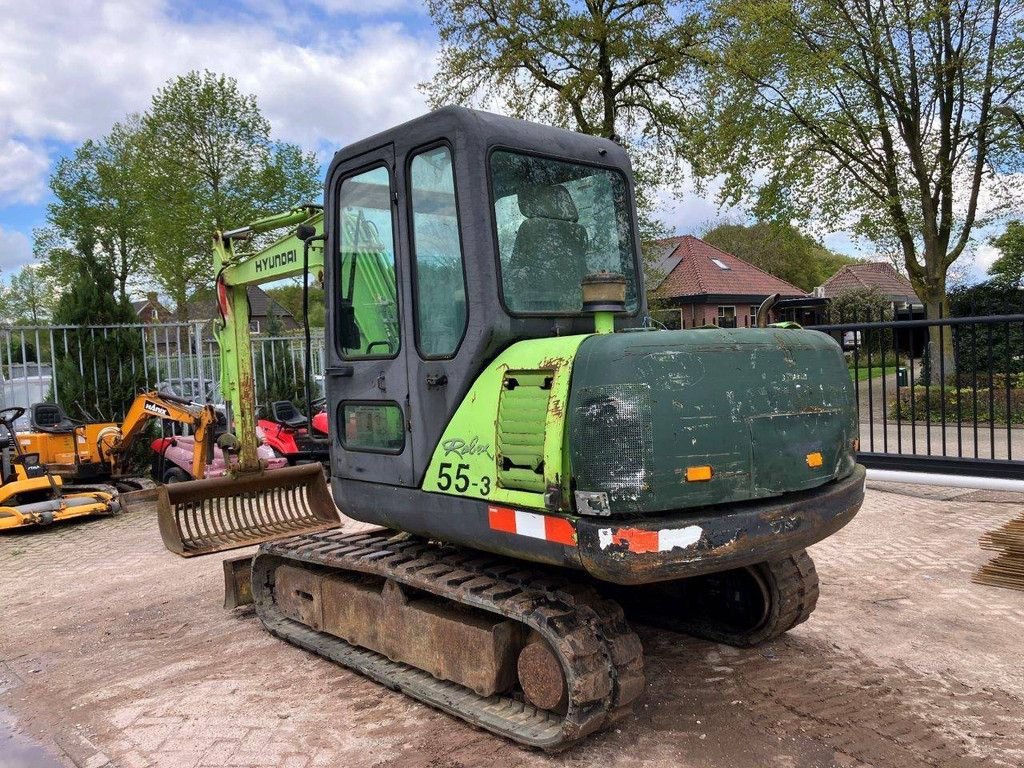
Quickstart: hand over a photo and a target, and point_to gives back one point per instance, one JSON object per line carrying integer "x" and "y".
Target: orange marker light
{"x": 694, "y": 474}
{"x": 814, "y": 460}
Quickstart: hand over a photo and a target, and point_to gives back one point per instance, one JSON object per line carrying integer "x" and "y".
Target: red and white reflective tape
{"x": 640, "y": 541}
{"x": 545, "y": 527}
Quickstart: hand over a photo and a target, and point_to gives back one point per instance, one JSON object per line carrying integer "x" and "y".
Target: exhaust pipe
{"x": 200, "y": 517}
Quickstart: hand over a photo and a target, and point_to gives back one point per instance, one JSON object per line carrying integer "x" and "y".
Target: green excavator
{"x": 534, "y": 454}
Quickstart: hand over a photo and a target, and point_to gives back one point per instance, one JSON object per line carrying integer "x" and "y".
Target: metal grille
{"x": 522, "y": 411}
{"x": 611, "y": 443}
{"x": 204, "y": 516}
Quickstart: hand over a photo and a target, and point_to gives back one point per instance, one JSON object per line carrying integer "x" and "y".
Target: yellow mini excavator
{"x": 30, "y": 495}
{"x": 91, "y": 452}
{"x": 536, "y": 456}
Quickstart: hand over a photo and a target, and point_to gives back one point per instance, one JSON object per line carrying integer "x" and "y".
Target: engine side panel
{"x": 505, "y": 442}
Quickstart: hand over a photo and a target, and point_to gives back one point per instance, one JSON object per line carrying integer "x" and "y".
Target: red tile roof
{"x": 872, "y": 274}
{"x": 693, "y": 272}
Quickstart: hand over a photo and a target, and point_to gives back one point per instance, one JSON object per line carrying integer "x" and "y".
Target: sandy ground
{"x": 115, "y": 652}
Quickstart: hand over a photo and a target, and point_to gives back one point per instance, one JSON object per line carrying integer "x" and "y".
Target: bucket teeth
{"x": 205, "y": 516}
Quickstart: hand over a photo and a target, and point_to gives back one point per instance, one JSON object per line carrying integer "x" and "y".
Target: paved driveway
{"x": 113, "y": 651}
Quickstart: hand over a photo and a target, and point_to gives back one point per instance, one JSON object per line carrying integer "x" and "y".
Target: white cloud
{"x": 684, "y": 211}
{"x": 361, "y": 6}
{"x": 69, "y": 70}
{"x": 15, "y": 251}
{"x": 22, "y": 171}
{"x": 984, "y": 256}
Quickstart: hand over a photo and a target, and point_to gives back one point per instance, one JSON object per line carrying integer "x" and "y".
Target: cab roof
{"x": 481, "y": 130}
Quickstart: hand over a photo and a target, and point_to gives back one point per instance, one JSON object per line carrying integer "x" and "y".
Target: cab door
{"x": 367, "y": 383}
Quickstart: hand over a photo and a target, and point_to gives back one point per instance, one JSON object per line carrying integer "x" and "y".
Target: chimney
{"x": 151, "y": 298}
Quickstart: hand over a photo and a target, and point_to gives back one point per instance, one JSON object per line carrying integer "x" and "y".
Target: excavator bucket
{"x": 204, "y": 516}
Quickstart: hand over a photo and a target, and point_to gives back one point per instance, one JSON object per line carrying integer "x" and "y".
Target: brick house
{"x": 203, "y": 306}
{"x": 150, "y": 310}
{"x": 703, "y": 285}
{"x": 875, "y": 274}
{"x": 884, "y": 277}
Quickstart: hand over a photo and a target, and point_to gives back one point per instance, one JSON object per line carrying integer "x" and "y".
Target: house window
{"x": 753, "y": 316}
{"x": 727, "y": 317}
{"x": 720, "y": 264}
{"x": 254, "y": 326}
{"x": 153, "y": 314}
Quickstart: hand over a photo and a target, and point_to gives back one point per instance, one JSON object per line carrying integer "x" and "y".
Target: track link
{"x": 787, "y": 589}
{"x": 601, "y": 657}
{"x": 792, "y": 584}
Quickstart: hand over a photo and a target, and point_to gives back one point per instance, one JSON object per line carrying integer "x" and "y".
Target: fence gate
{"x": 942, "y": 395}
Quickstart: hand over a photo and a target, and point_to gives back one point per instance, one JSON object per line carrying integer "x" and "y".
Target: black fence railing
{"x": 944, "y": 395}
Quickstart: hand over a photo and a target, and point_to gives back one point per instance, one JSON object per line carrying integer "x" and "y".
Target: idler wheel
{"x": 541, "y": 677}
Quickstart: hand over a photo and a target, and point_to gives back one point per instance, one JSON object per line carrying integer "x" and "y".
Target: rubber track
{"x": 600, "y": 654}
{"x": 792, "y": 584}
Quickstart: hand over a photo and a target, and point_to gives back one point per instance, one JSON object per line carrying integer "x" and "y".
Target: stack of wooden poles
{"x": 1007, "y": 568}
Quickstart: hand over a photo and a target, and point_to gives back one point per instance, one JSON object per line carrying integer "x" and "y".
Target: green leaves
{"x": 211, "y": 165}
{"x": 877, "y": 116}
{"x": 1008, "y": 270}
{"x": 144, "y": 200}
{"x": 612, "y": 68}
{"x": 781, "y": 250}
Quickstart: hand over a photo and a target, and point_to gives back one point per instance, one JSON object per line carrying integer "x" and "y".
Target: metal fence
{"x": 961, "y": 410}
{"x": 110, "y": 363}
{"x": 943, "y": 395}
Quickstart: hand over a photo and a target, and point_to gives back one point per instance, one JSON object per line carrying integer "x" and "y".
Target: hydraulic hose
{"x": 308, "y": 358}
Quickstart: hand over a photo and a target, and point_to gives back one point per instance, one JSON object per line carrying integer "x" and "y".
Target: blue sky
{"x": 325, "y": 72}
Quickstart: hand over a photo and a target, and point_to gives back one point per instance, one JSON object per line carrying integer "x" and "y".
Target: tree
{"x": 1008, "y": 269}
{"x": 28, "y": 297}
{"x": 290, "y": 297}
{"x": 863, "y": 305}
{"x": 282, "y": 378}
{"x": 875, "y": 113}
{"x": 997, "y": 348}
{"x": 612, "y": 68}
{"x": 780, "y": 249}
{"x": 99, "y": 370}
{"x": 210, "y": 164}
{"x": 97, "y": 209}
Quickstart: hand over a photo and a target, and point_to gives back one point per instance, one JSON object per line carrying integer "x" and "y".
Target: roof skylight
{"x": 720, "y": 264}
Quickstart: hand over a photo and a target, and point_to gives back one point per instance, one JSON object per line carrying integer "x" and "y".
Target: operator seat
{"x": 285, "y": 412}
{"x": 549, "y": 256}
{"x": 50, "y": 417}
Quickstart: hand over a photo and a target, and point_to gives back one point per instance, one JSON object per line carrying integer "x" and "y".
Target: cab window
{"x": 437, "y": 254}
{"x": 557, "y": 222}
{"x": 367, "y": 309}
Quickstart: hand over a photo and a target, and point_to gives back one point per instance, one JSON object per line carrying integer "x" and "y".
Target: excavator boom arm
{"x": 157, "y": 405}
{"x": 287, "y": 257}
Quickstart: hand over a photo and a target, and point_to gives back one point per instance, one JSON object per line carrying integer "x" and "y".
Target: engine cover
{"x": 669, "y": 420}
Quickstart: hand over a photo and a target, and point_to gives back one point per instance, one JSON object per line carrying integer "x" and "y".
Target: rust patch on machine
{"x": 237, "y": 581}
{"x": 204, "y": 516}
{"x": 451, "y": 642}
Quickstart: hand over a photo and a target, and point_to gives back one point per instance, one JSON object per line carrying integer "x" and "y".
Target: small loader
{"x": 29, "y": 494}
